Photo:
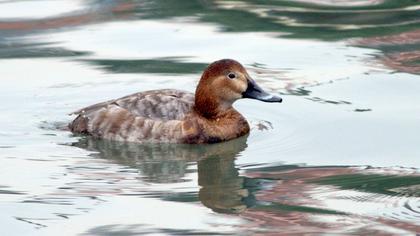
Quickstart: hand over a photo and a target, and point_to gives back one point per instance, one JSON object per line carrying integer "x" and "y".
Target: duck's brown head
{"x": 222, "y": 83}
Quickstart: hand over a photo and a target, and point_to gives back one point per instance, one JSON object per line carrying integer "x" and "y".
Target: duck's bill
{"x": 256, "y": 92}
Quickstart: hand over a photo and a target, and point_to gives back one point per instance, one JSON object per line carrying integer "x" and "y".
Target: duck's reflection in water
{"x": 222, "y": 189}
{"x": 290, "y": 199}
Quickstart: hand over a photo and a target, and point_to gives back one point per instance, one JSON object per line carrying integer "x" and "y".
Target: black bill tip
{"x": 254, "y": 91}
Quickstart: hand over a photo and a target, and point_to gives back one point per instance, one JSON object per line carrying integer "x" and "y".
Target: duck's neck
{"x": 226, "y": 125}
{"x": 213, "y": 110}
{"x": 209, "y": 106}
{"x": 212, "y": 123}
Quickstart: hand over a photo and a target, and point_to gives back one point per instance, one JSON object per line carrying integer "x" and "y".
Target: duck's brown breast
{"x": 197, "y": 129}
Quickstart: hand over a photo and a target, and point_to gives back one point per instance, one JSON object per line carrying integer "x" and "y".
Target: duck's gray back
{"x": 146, "y": 116}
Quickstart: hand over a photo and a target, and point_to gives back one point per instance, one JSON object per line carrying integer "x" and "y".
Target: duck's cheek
{"x": 229, "y": 90}
{"x": 235, "y": 89}
{"x": 238, "y": 86}
{"x": 231, "y": 95}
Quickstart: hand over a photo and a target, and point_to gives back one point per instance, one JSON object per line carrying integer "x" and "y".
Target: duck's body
{"x": 176, "y": 116}
{"x": 157, "y": 116}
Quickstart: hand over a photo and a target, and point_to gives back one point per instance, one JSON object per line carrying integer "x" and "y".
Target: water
{"x": 339, "y": 156}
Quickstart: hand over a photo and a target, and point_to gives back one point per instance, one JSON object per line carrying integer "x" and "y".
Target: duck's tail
{"x": 79, "y": 125}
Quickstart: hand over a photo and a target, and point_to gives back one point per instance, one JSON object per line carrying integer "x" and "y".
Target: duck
{"x": 176, "y": 116}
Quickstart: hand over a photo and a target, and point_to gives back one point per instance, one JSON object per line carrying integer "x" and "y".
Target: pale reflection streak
{"x": 76, "y": 18}
{"x": 293, "y": 205}
{"x": 397, "y": 59}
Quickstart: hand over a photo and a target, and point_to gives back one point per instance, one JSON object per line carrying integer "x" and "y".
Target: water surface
{"x": 340, "y": 155}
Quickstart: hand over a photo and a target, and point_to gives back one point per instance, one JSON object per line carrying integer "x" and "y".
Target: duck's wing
{"x": 152, "y": 116}
{"x": 167, "y": 104}
{"x": 163, "y": 105}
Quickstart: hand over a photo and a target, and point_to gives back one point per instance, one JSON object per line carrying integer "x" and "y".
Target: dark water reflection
{"x": 163, "y": 163}
{"x": 222, "y": 189}
{"x": 161, "y": 66}
{"x": 302, "y": 19}
{"x": 277, "y": 198}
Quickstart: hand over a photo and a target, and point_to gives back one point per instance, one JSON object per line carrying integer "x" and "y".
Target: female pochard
{"x": 176, "y": 116}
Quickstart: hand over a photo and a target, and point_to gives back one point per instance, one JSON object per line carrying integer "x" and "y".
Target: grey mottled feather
{"x": 164, "y": 104}
{"x": 151, "y": 116}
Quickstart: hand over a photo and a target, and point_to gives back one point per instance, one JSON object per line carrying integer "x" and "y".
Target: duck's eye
{"x": 231, "y": 75}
